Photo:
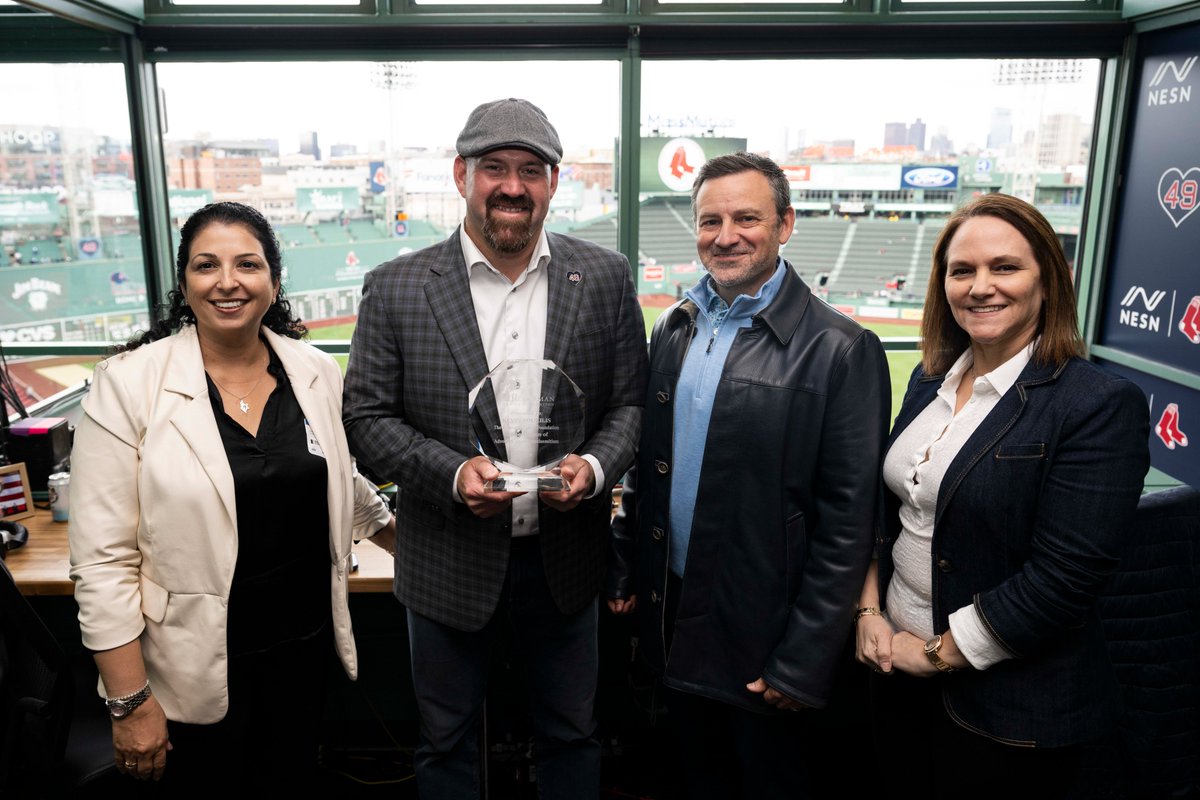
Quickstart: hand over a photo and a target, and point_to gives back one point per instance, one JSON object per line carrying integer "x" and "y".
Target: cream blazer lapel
{"x": 195, "y": 421}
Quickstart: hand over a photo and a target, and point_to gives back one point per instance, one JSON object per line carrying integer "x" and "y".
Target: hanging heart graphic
{"x": 1179, "y": 193}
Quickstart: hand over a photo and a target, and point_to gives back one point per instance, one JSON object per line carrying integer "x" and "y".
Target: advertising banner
{"x": 29, "y": 208}
{"x": 852, "y": 177}
{"x": 326, "y": 199}
{"x": 670, "y": 165}
{"x": 798, "y": 175}
{"x": 114, "y": 202}
{"x": 428, "y": 176}
{"x": 977, "y": 170}
{"x": 90, "y": 247}
{"x": 568, "y": 196}
{"x": 927, "y": 177}
{"x": 185, "y": 202}
{"x": 1174, "y": 413}
{"x": 1152, "y": 306}
{"x": 378, "y": 177}
{"x": 35, "y": 294}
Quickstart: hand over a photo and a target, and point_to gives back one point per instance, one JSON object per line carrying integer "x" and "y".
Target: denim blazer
{"x": 1028, "y": 528}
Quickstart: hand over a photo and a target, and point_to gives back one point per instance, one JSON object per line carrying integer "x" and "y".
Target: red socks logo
{"x": 1189, "y": 326}
{"x": 1168, "y": 428}
{"x": 679, "y": 164}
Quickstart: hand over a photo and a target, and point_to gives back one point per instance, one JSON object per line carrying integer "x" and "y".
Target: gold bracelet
{"x": 868, "y": 611}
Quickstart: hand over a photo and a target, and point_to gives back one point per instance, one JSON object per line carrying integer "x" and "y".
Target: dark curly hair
{"x": 169, "y": 317}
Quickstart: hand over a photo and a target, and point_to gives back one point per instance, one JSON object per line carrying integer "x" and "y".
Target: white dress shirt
{"x": 512, "y": 325}
{"x": 913, "y": 469}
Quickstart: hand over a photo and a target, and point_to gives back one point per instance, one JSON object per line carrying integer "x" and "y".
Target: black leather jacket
{"x": 786, "y": 511}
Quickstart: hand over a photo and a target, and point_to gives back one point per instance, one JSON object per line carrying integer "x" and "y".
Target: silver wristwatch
{"x": 121, "y": 707}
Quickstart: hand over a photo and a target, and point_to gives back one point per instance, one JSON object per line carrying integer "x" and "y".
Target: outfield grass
{"x": 885, "y": 329}
{"x": 332, "y": 331}
{"x": 650, "y": 315}
{"x": 900, "y": 365}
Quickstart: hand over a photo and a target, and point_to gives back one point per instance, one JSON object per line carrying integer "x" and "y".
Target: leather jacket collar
{"x": 782, "y": 317}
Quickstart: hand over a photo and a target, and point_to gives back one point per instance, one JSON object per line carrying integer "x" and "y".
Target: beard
{"x": 508, "y": 237}
{"x": 728, "y": 278}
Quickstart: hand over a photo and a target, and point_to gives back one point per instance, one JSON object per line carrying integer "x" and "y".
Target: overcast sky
{"x": 771, "y": 103}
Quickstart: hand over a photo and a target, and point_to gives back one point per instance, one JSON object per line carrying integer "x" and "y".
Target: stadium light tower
{"x": 1039, "y": 73}
{"x": 392, "y": 77}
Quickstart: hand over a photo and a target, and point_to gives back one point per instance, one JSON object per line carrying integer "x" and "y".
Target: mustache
{"x": 500, "y": 199}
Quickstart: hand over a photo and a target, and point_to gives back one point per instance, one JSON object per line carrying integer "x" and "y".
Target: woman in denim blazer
{"x": 1012, "y": 471}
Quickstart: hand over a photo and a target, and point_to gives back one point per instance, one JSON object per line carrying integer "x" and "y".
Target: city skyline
{"x": 797, "y": 102}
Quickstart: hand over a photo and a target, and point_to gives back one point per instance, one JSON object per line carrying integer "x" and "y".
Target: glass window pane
{"x": 874, "y": 172}
{"x": 353, "y": 177}
{"x": 751, "y": 4}
{"x": 508, "y": 2}
{"x": 264, "y": 2}
{"x": 71, "y": 265}
{"x": 989, "y": 2}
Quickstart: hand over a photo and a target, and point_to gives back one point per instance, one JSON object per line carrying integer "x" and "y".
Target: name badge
{"x": 310, "y": 436}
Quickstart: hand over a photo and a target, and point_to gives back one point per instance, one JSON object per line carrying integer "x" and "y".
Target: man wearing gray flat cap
{"x": 471, "y": 562}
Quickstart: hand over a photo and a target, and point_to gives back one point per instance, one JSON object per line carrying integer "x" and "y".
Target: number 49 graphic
{"x": 1179, "y": 193}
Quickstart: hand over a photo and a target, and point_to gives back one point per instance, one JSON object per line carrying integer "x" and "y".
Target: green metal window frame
{"x": 1029, "y": 8}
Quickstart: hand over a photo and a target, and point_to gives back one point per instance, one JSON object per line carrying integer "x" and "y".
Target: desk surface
{"x": 41, "y": 567}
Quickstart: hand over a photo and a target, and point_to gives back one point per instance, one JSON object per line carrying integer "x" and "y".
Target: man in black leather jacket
{"x": 747, "y": 535}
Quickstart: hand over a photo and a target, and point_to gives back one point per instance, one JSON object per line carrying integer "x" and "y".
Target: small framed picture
{"x": 16, "y": 498}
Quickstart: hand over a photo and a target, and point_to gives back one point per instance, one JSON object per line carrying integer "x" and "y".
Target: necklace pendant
{"x": 244, "y": 406}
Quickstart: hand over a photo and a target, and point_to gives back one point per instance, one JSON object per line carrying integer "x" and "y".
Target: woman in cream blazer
{"x": 154, "y": 524}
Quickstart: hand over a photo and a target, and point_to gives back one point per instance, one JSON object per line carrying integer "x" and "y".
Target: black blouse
{"x": 280, "y": 589}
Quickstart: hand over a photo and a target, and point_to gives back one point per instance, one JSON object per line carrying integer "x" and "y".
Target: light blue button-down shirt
{"x": 717, "y": 325}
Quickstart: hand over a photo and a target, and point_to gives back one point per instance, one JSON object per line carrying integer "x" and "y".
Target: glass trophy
{"x": 526, "y": 416}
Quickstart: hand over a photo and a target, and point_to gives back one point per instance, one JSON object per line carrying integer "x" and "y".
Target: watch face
{"x": 117, "y": 709}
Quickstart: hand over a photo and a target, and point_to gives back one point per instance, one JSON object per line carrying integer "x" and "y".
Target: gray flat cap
{"x": 509, "y": 123}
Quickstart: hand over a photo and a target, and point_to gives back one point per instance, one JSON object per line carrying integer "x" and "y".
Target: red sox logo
{"x": 1168, "y": 428}
{"x": 1178, "y": 193}
{"x": 1189, "y": 325}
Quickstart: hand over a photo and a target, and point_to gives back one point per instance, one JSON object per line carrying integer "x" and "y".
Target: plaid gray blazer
{"x": 416, "y": 354}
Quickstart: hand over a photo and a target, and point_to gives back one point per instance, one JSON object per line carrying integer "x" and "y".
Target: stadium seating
{"x": 46, "y": 250}
{"x": 122, "y": 245}
{"x": 364, "y": 230}
{"x": 861, "y": 257}
{"x": 294, "y": 235}
{"x": 666, "y": 233}
{"x": 878, "y": 252}
{"x": 600, "y": 230}
{"x": 333, "y": 232}
{"x": 815, "y": 245}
